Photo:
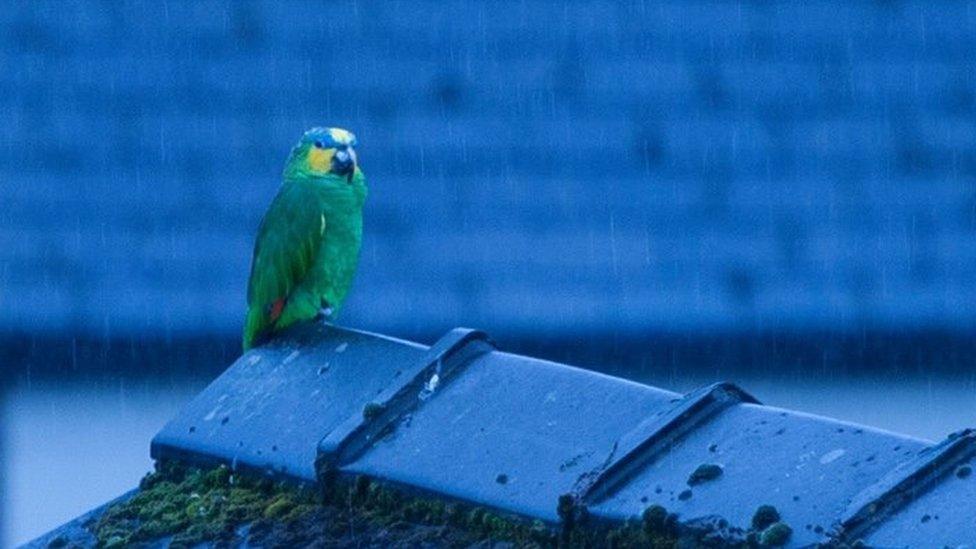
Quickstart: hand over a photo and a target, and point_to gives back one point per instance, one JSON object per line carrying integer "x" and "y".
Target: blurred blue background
{"x": 777, "y": 192}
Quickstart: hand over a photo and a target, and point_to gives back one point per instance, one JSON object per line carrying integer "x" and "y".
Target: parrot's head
{"x": 324, "y": 152}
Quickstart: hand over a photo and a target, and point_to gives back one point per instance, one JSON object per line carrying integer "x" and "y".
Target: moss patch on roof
{"x": 704, "y": 473}
{"x": 216, "y": 506}
{"x": 192, "y": 506}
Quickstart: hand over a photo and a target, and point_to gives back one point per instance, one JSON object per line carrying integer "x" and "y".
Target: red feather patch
{"x": 275, "y": 309}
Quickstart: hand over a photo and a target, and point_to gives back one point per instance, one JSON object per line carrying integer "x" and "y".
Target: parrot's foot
{"x": 324, "y": 317}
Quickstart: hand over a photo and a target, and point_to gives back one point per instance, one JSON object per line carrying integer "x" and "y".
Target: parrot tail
{"x": 254, "y": 327}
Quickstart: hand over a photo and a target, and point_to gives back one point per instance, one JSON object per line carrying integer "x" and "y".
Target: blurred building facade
{"x": 534, "y": 166}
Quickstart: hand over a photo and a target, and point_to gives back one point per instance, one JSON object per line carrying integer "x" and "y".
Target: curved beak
{"x": 344, "y": 161}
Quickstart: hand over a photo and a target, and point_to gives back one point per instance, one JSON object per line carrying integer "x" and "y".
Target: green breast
{"x": 338, "y": 255}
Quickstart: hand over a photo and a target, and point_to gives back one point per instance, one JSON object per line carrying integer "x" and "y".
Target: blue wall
{"x": 534, "y": 166}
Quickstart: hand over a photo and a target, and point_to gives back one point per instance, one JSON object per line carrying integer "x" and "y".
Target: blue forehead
{"x": 330, "y": 137}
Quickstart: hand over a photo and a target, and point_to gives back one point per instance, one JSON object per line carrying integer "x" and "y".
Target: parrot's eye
{"x": 319, "y": 145}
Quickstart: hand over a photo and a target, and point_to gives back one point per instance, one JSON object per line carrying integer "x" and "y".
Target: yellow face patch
{"x": 320, "y": 160}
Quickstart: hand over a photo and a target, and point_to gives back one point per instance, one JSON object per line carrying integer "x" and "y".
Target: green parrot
{"x": 307, "y": 246}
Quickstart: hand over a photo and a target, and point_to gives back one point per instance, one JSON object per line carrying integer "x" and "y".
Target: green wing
{"x": 288, "y": 240}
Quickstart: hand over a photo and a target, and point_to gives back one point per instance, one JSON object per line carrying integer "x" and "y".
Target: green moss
{"x": 764, "y": 516}
{"x": 194, "y": 505}
{"x": 378, "y": 504}
{"x": 704, "y": 473}
{"x": 656, "y": 521}
{"x": 280, "y": 507}
{"x": 630, "y": 534}
{"x": 776, "y": 535}
{"x": 383, "y": 505}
